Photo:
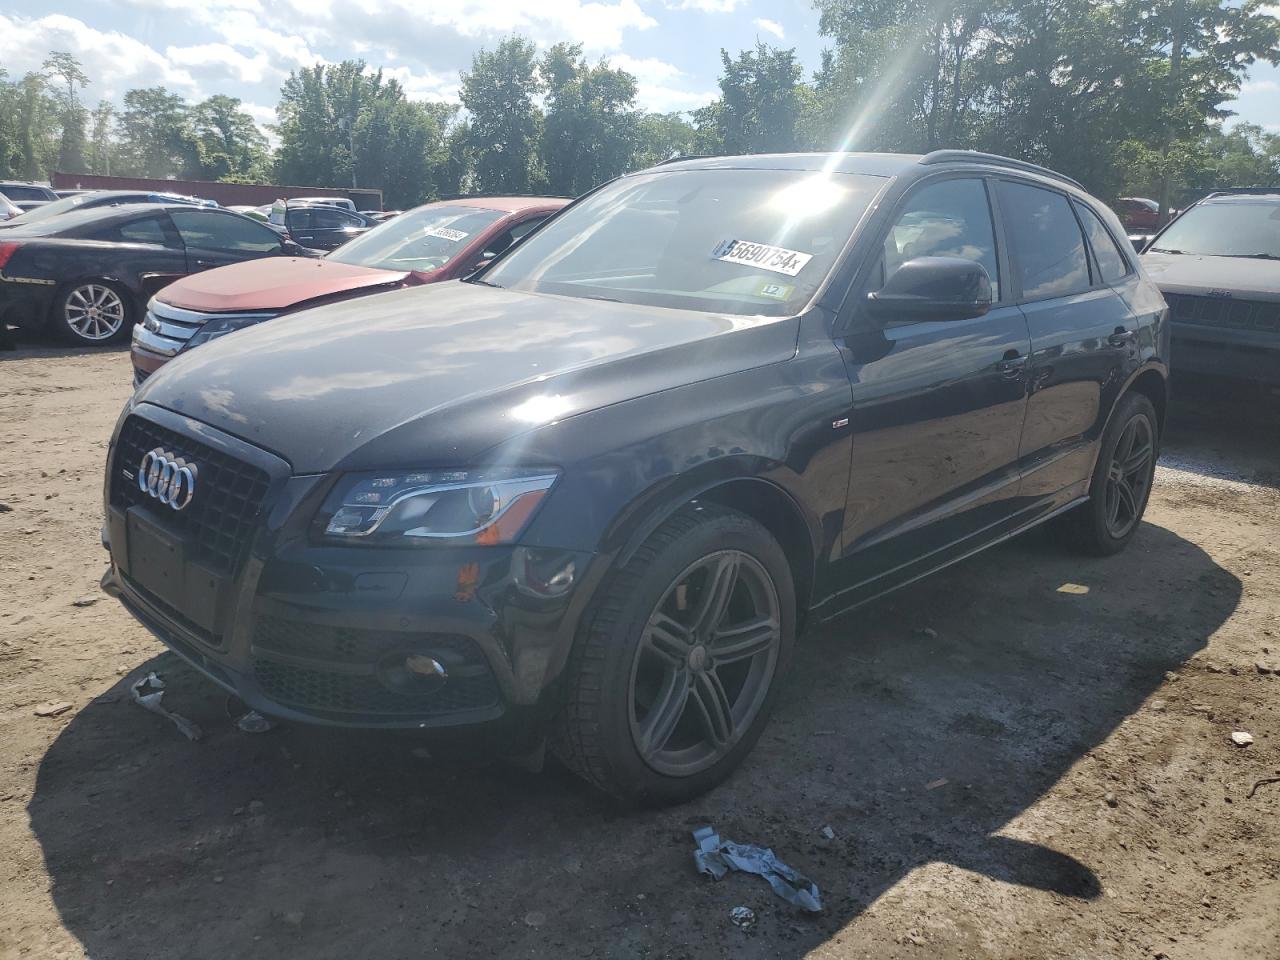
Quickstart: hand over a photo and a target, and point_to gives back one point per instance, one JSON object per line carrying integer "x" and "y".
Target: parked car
{"x": 321, "y": 226}
{"x": 343, "y": 203}
{"x": 26, "y": 195}
{"x": 84, "y": 275}
{"x": 102, "y": 198}
{"x": 1138, "y": 214}
{"x": 7, "y": 209}
{"x": 595, "y": 490}
{"x": 63, "y": 194}
{"x": 438, "y": 241}
{"x": 1218, "y": 266}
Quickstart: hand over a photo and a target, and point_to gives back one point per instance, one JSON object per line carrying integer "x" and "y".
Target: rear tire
{"x": 92, "y": 313}
{"x": 1121, "y": 482}
{"x": 678, "y": 662}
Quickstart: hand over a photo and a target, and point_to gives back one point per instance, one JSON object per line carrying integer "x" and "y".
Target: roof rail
{"x": 688, "y": 156}
{"x": 1241, "y": 191}
{"x": 995, "y": 160}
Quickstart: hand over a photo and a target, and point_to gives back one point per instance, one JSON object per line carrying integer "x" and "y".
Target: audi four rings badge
{"x": 170, "y": 480}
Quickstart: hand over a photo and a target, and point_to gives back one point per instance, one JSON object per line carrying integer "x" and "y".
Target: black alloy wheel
{"x": 704, "y": 663}
{"x": 1129, "y": 476}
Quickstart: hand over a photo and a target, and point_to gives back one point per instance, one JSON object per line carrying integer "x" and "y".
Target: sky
{"x": 246, "y": 48}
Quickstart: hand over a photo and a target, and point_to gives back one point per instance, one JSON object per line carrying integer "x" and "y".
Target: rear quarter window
{"x": 1045, "y": 241}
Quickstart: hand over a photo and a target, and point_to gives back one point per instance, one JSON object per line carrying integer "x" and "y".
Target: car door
{"x": 150, "y": 254}
{"x": 215, "y": 238}
{"x": 1082, "y": 333}
{"x": 937, "y": 405}
{"x": 324, "y": 228}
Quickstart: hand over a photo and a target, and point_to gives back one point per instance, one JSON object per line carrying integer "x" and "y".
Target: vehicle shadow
{"x": 916, "y": 728}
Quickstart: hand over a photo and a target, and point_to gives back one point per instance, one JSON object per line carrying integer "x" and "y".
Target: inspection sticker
{"x": 762, "y": 255}
{"x": 775, "y": 291}
{"x": 444, "y": 233}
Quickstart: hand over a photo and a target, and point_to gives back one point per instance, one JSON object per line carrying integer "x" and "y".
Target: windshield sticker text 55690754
{"x": 761, "y": 255}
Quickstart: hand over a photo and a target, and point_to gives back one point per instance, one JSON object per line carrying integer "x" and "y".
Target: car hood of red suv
{"x": 274, "y": 283}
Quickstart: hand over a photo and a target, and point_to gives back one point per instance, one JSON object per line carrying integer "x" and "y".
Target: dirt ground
{"x": 1010, "y": 766}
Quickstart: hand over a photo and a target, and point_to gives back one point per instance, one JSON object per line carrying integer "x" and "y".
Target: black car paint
{"x": 48, "y": 259}
{"x": 864, "y": 447}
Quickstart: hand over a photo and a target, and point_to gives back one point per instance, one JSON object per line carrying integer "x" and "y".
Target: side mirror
{"x": 933, "y": 288}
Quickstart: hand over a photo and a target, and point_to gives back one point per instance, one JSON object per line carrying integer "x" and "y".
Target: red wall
{"x": 227, "y": 194}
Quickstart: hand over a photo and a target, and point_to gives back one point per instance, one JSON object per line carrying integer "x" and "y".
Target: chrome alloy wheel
{"x": 94, "y": 312}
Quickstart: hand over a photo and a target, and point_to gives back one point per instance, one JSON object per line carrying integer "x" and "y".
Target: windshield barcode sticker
{"x": 444, "y": 233}
{"x": 762, "y": 255}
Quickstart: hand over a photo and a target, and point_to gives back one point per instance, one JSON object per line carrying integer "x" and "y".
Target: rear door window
{"x": 1106, "y": 253}
{"x": 331, "y": 218}
{"x": 1045, "y": 241}
{"x": 212, "y": 230}
{"x": 142, "y": 230}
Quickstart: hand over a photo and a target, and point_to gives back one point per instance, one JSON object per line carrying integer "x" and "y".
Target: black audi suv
{"x": 593, "y": 493}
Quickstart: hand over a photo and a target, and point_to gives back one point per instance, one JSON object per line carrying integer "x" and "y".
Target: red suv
{"x": 438, "y": 241}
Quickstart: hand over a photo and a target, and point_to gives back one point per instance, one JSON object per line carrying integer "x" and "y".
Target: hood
{"x": 435, "y": 375}
{"x": 272, "y": 283}
{"x": 1240, "y": 277}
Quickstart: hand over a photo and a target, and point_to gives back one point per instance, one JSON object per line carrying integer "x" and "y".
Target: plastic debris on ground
{"x": 742, "y": 917}
{"x": 1241, "y": 738}
{"x": 716, "y": 857}
{"x": 52, "y": 709}
{"x": 254, "y": 722}
{"x": 148, "y": 692}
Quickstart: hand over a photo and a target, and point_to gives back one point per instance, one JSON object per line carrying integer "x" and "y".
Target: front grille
{"x": 1226, "y": 312}
{"x": 174, "y": 326}
{"x": 346, "y": 672}
{"x": 221, "y": 516}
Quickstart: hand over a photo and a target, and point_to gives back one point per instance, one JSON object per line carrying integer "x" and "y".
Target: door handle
{"x": 1122, "y": 336}
{"x": 1012, "y": 366}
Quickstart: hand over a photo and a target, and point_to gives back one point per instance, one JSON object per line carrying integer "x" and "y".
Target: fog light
{"x": 412, "y": 674}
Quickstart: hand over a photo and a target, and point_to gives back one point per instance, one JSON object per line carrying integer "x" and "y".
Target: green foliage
{"x": 155, "y": 137}
{"x": 760, "y": 104}
{"x": 499, "y": 92}
{"x": 228, "y": 144}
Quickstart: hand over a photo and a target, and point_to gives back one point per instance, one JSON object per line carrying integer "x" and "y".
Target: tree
{"x": 155, "y": 140}
{"x": 504, "y": 127}
{"x": 760, "y": 103}
{"x": 71, "y": 145}
{"x": 101, "y": 140}
{"x": 589, "y": 133}
{"x": 228, "y": 143}
{"x": 661, "y": 136}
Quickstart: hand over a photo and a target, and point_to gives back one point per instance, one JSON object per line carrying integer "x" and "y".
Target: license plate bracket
{"x": 166, "y": 565}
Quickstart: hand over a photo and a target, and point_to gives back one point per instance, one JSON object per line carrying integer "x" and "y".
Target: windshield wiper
{"x": 1180, "y": 253}
{"x": 484, "y": 283}
{"x": 1258, "y": 256}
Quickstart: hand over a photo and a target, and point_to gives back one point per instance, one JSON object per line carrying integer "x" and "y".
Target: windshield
{"x": 424, "y": 239}
{"x": 55, "y": 207}
{"x": 752, "y": 242}
{"x": 1233, "y": 229}
{"x": 16, "y": 191}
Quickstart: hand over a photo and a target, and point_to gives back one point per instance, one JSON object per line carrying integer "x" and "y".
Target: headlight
{"x": 444, "y": 506}
{"x": 221, "y": 326}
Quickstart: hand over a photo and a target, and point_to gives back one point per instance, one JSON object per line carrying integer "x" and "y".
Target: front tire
{"x": 92, "y": 313}
{"x": 1121, "y": 482}
{"x": 678, "y": 663}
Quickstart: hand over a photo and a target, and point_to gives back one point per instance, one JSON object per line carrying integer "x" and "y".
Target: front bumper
{"x": 339, "y": 636}
{"x": 1241, "y": 355}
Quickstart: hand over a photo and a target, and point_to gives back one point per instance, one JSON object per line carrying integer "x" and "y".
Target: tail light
{"x": 7, "y": 250}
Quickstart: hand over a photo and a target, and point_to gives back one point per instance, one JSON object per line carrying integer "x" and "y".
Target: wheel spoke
{"x": 667, "y": 709}
{"x": 1125, "y": 495}
{"x": 713, "y": 705}
{"x": 668, "y": 639}
{"x": 1113, "y": 503}
{"x": 744, "y": 640}
{"x": 1137, "y": 459}
{"x": 722, "y": 578}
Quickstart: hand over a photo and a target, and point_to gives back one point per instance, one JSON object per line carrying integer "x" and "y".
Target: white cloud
{"x": 220, "y": 61}
{"x": 657, "y": 84}
{"x": 770, "y": 26}
{"x": 706, "y": 6}
{"x": 1259, "y": 86}
{"x": 114, "y": 61}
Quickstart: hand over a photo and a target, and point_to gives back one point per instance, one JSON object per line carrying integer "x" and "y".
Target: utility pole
{"x": 348, "y": 123}
{"x": 1175, "y": 99}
